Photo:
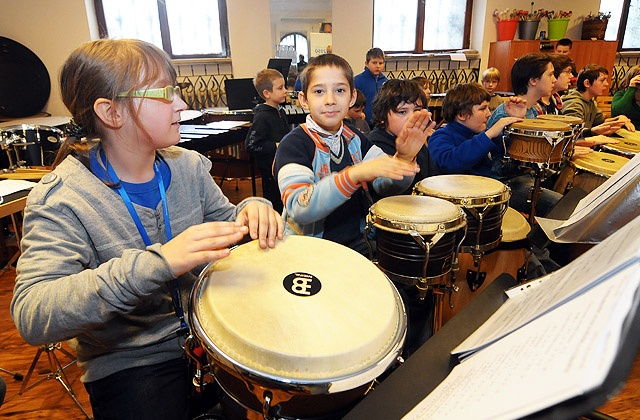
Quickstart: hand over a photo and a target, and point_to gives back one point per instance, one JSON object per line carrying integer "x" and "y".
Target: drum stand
{"x": 57, "y": 372}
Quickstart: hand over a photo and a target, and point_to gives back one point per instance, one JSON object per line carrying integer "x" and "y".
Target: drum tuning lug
{"x": 266, "y": 404}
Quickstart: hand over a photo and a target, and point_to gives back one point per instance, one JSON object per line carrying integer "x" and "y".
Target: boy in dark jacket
{"x": 268, "y": 127}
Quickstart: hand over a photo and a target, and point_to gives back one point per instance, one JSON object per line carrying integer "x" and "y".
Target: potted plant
{"x": 507, "y": 22}
{"x": 529, "y": 20}
{"x": 595, "y": 25}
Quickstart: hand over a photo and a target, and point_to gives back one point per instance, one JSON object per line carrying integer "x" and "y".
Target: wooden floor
{"x": 49, "y": 400}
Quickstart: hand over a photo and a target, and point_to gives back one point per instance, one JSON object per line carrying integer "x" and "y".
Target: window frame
{"x": 166, "y": 34}
{"x": 466, "y": 35}
{"x": 622, "y": 27}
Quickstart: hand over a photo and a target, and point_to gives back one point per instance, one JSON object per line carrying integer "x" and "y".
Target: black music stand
{"x": 57, "y": 372}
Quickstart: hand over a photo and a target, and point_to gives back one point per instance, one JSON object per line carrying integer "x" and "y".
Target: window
{"x": 298, "y": 42}
{"x": 183, "y": 28}
{"x": 421, "y": 25}
{"x": 624, "y": 23}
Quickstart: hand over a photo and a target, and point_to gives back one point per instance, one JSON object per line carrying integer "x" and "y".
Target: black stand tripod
{"x": 57, "y": 371}
{"x": 17, "y": 376}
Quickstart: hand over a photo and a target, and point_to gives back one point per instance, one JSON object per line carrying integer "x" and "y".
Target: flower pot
{"x": 528, "y": 29}
{"x": 558, "y": 28}
{"x": 594, "y": 28}
{"x": 507, "y": 29}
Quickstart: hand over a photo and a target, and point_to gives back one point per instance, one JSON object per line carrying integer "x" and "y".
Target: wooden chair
{"x": 604, "y": 104}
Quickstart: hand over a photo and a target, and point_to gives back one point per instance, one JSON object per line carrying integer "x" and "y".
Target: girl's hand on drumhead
{"x": 500, "y": 125}
{"x": 579, "y": 151}
{"x": 264, "y": 223}
{"x": 516, "y": 107}
{"x": 201, "y": 244}
{"x": 384, "y": 166}
{"x": 414, "y": 134}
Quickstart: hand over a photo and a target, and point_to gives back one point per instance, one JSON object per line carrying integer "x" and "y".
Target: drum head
{"x": 307, "y": 310}
{"x": 514, "y": 226}
{"x": 631, "y": 135}
{"x": 465, "y": 190}
{"x": 536, "y": 126}
{"x": 567, "y": 119}
{"x": 421, "y": 213}
{"x": 600, "y": 163}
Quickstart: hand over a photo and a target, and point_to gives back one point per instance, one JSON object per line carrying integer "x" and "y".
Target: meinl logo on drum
{"x": 302, "y": 284}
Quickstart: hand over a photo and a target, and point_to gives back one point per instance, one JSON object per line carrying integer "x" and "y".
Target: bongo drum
{"x": 297, "y": 331}
{"x": 576, "y": 124}
{"x": 589, "y": 172}
{"x": 628, "y": 147}
{"x": 416, "y": 237}
{"x": 509, "y": 257}
{"x": 537, "y": 140}
{"x": 483, "y": 199}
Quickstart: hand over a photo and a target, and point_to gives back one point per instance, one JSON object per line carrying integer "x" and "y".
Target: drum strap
{"x": 183, "y": 330}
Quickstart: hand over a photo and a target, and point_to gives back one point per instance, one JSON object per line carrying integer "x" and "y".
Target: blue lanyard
{"x": 175, "y": 292}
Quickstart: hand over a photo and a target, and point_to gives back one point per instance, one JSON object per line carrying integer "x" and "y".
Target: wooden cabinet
{"x": 502, "y": 55}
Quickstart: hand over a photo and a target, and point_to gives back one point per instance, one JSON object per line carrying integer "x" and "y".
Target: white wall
{"x": 249, "y": 35}
{"x": 51, "y": 30}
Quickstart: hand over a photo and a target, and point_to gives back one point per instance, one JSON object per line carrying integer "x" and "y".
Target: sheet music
{"x": 561, "y": 355}
{"x": 10, "y": 186}
{"x": 227, "y": 125}
{"x": 629, "y": 173}
{"x": 201, "y": 129}
{"x": 531, "y": 300}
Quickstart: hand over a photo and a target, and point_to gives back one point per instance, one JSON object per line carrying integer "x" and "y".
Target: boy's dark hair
{"x": 374, "y": 53}
{"x": 461, "y": 99}
{"x": 361, "y": 100}
{"x": 566, "y": 42}
{"x": 527, "y": 67}
{"x": 264, "y": 80}
{"x": 590, "y": 72}
{"x": 561, "y": 62}
{"x": 326, "y": 60}
{"x": 394, "y": 92}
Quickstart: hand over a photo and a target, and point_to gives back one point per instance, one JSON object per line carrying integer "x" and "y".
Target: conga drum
{"x": 484, "y": 200}
{"x": 538, "y": 141}
{"x": 509, "y": 257}
{"x": 416, "y": 237}
{"x": 297, "y": 331}
{"x": 576, "y": 124}
{"x": 629, "y": 145}
{"x": 589, "y": 172}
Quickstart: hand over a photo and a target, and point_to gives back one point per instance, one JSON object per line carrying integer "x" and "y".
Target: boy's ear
{"x": 462, "y": 116}
{"x": 108, "y": 112}
{"x": 266, "y": 93}
{"x": 354, "y": 97}
{"x": 302, "y": 99}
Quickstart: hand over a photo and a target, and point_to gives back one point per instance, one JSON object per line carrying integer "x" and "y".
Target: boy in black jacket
{"x": 268, "y": 127}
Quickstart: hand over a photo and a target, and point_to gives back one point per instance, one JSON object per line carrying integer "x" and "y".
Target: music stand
{"x": 57, "y": 372}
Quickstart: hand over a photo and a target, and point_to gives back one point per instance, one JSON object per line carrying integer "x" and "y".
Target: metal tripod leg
{"x": 57, "y": 372}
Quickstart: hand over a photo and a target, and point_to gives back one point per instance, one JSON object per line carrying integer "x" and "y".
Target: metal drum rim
{"x": 403, "y": 226}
